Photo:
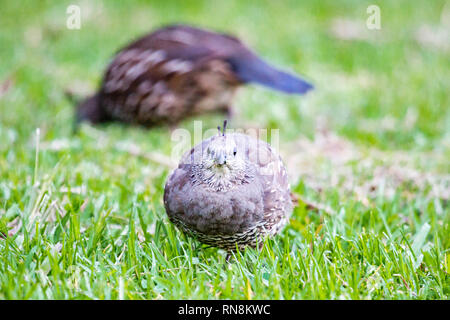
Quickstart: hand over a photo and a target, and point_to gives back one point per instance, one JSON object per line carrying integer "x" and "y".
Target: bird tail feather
{"x": 250, "y": 68}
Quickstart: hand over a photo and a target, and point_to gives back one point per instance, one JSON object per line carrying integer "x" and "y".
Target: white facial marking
{"x": 222, "y": 164}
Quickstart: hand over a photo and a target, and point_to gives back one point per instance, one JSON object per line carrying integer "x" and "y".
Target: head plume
{"x": 223, "y": 129}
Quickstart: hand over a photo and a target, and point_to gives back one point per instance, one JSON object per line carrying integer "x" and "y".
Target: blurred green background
{"x": 374, "y": 75}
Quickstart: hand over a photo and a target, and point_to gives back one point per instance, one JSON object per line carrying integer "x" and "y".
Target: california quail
{"x": 229, "y": 191}
{"x": 176, "y": 72}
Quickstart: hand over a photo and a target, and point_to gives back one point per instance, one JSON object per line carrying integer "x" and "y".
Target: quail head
{"x": 229, "y": 191}
{"x": 176, "y": 72}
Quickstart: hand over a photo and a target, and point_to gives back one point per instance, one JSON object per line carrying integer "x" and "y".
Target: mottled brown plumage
{"x": 176, "y": 72}
{"x": 229, "y": 191}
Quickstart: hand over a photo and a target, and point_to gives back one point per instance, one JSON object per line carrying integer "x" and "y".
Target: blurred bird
{"x": 176, "y": 72}
{"x": 229, "y": 191}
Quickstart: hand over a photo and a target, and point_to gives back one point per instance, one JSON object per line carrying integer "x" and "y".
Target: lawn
{"x": 367, "y": 153}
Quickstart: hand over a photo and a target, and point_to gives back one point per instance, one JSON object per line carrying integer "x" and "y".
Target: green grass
{"x": 86, "y": 218}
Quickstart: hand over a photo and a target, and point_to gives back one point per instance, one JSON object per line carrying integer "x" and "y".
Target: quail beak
{"x": 221, "y": 159}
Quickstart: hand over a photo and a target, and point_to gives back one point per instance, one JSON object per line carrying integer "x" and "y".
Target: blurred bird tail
{"x": 250, "y": 68}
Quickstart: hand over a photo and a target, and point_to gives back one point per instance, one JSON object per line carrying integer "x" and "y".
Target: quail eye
{"x": 234, "y": 151}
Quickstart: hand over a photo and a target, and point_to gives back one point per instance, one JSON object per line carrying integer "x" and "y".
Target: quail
{"x": 179, "y": 71}
{"x": 229, "y": 191}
